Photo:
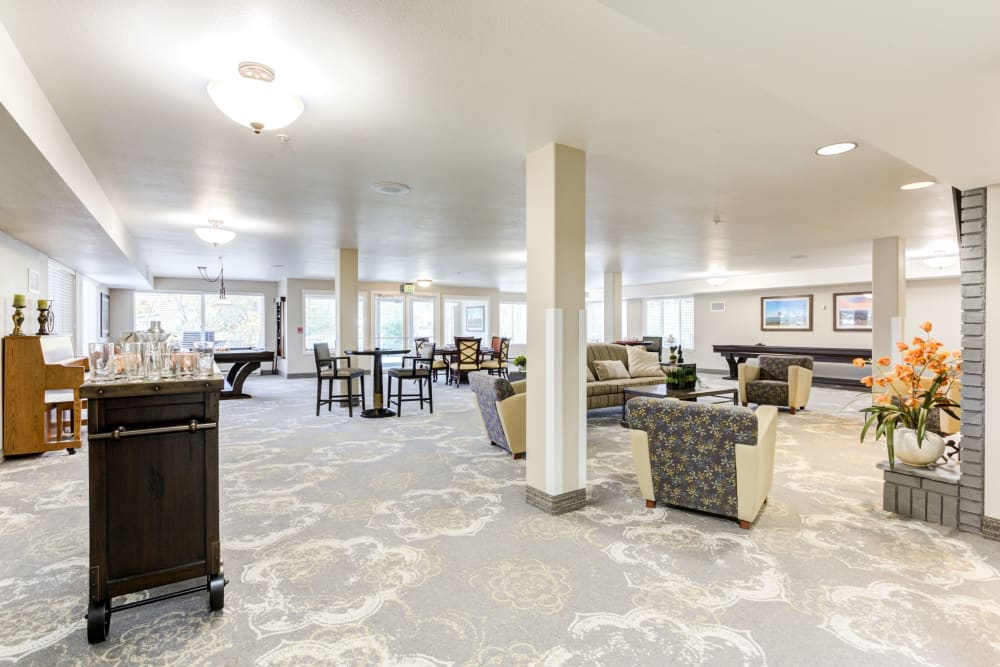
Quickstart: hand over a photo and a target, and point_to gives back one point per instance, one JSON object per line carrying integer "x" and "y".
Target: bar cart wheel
{"x": 216, "y": 591}
{"x": 98, "y": 621}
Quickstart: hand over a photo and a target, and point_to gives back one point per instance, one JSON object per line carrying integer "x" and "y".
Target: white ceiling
{"x": 450, "y": 96}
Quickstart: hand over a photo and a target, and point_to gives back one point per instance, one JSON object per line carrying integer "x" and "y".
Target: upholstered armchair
{"x": 502, "y": 405}
{"x": 777, "y": 380}
{"x": 711, "y": 458}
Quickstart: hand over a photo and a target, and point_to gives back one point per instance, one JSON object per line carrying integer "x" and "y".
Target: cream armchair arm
{"x": 640, "y": 457}
{"x": 513, "y": 411}
{"x": 755, "y": 467}
{"x": 799, "y": 383}
{"x": 519, "y": 386}
{"x": 746, "y": 373}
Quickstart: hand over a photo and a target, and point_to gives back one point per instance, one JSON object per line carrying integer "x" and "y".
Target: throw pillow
{"x": 611, "y": 370}
{"x": 643, "y": 364}
{"x": 590, "y": 375}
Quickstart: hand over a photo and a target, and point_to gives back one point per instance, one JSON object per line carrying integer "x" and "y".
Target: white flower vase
{"x": 906, "y": 450}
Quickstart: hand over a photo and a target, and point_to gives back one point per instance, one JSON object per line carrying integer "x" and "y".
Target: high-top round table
{"x": 378, "y": 410}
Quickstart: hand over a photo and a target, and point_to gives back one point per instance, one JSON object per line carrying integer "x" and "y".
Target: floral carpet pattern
{"x": 409, "y": 542}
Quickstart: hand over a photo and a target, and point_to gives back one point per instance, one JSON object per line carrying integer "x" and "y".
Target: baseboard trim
{"x": 564, "y": 502}
{"x": 296, "y": 376}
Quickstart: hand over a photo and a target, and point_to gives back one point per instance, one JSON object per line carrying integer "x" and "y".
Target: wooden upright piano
{"x": 41, "y": 384}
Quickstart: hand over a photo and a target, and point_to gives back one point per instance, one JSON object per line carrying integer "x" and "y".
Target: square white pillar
{"x": 888, "y": 295}
{"x": 612, "y": 307}
{"x": 556, "y": 411}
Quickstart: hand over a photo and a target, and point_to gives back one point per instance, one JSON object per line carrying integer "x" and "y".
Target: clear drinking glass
{"x": 151, "y": 360}
{"x": 205, "y": 355}
{"x": 134, "y": 367}
{"x": 101, "y": 361}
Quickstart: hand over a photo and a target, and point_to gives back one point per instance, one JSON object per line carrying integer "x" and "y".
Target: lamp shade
{"x": 259, "y": 105}
{"x": 214, "y": 235}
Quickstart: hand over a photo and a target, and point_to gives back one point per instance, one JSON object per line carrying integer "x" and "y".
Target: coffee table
{"x": 663, "y": 391}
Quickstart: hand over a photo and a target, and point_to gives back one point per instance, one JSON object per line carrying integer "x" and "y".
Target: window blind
{"x": 62, "y": 297}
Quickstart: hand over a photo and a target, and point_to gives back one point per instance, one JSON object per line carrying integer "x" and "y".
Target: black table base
{"x": 378, "y": 413}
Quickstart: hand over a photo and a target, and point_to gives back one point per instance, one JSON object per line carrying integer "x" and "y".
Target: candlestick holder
{"x": 18, "y": 318}
{"x": 45, "y": 322}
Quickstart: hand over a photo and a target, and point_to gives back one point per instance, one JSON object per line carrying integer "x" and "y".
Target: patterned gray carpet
{"x": 408, "y": 542}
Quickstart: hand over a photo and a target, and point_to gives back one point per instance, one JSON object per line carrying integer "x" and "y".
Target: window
{"x": 319, "y": 321}
{"x": 62, "y": 299}
{"x": 671, "y": 317}
{"x": 514, "y": 322}
{"x": 194, "y": 316}
{"x": 595, "y": 321}
{"x": 240, "y": 324}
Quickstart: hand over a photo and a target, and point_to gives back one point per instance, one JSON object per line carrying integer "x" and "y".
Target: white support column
{"x": 556, "y": 413}
{"x": 633, "y": 319}
{"x": 612, "y": 307}
{"x": 346, "y": 287}
{"x": 888, "y": 295}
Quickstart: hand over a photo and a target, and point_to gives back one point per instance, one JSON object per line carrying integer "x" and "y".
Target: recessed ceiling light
{"x": 390, "y": 188}
{"x": 917, "y": 185}
{"x": 214, "y": 233}
{"x": 836, "y": 149}
{"x": 424, "y": 282}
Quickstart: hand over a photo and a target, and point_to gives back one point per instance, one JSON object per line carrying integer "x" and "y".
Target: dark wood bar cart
{"x": 154, "y": 492}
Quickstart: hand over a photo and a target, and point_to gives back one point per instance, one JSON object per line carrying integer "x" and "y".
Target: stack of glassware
{"x": 153, "y": 354}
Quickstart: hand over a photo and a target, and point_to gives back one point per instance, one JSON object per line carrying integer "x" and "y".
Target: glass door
{"x": 421, "y": 318}
{"x": 389, "y": 324}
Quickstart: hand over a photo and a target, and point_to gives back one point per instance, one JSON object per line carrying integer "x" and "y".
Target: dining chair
{"x": 498, "y": 364}
{"x": 466, "y": 359}
{"x": 437, "y": 364}
{"x": 328, "y": 368}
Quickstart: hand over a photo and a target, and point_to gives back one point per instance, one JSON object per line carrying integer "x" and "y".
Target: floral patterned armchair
{"x": 502, "y": 405}
{"x": 777, "y": 380}
{"x": 711, "y": 458}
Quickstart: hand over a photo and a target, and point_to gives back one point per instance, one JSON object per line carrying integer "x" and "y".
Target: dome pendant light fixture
{"x": 254, "y": 100}
{"x": 214, "y": 233}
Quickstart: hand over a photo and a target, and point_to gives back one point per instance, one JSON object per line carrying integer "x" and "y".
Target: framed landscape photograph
{"x": 852, "y": 311}
{"x": 786, "y": 313}
{"x": 475, "y": 319}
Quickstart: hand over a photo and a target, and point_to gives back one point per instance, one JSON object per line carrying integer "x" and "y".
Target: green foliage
{"x": 681, "y": 377}
{"x": 521, "y": 361}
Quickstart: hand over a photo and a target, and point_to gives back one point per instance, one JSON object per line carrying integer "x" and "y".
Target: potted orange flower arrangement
{"x": 912, "y": 390}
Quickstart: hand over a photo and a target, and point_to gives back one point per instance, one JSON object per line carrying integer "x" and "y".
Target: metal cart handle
{"x": 191, "y": 427}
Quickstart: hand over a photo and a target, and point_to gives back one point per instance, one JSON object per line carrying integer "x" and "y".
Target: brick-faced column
{"x": 973, "y": 256}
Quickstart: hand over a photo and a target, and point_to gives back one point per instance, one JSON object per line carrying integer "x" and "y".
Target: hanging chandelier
{"x": 219, "y": 278}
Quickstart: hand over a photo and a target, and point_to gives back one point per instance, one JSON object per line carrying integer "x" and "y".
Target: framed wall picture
{"x": 786, "y": 313}
{"x": 852, "y": 311}
{"x": 105, "y": 315}
{"x": 475, "y": 319}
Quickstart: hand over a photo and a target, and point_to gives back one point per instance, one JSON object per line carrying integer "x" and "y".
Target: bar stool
{"x": 420, "y": 370}
{"x": 327, "y": 369}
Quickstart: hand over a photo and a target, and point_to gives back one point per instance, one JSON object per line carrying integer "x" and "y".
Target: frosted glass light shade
{"x": 214, "y": 235}
{"x": 259, "y": 105}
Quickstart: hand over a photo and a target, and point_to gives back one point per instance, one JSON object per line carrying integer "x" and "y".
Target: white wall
{"x": 935, "y": 300}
